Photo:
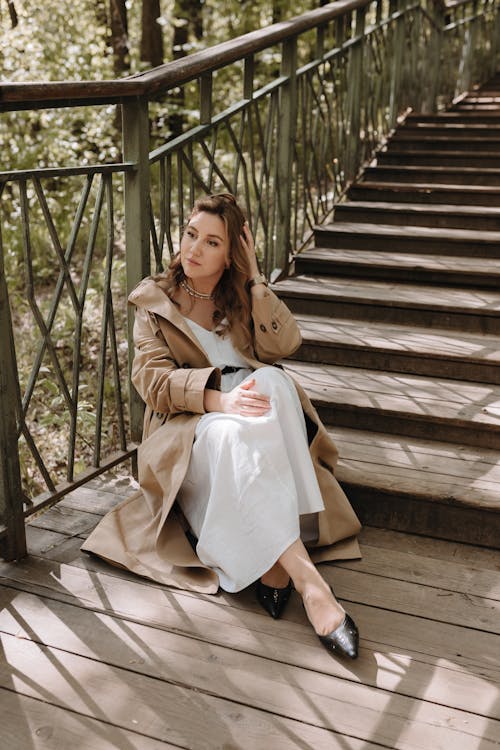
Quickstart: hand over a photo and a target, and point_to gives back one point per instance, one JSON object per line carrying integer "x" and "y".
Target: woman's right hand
{"x": 245, "y": 401}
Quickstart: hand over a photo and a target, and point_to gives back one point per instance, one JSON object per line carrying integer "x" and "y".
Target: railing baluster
{"x": 398, "y": 50}
{"x": 495, "y": 44}
{"x": 355, "y": 83}
{"x": 248, "y": 74}
{"x": 286, "y": 136}
{"x": 471, "y": 47}
{"x": 13, "y": 542}
{"x": 206, "y": 88}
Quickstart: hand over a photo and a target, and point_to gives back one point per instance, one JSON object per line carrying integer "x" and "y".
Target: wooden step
{"x": 407, "y": 192}
{"x": 437, "y": 142}
{"x": 421, "y": 240}
{"x": 479, "y": 98}
{"x": 449, "y": 130}
{"x": 454, "y": 411}
{"x": 486, "y": 118}
{"x": 398, "y": 348}
{"x": 432, "y": 174}
{"x": 435, "y": 306}
{"x": 439, "y": 215}
{"x": 432, "y": 488}
{"x": 486, "y": 107}
{"x": 410, "y": 268}
{"x": 475, "y": 159}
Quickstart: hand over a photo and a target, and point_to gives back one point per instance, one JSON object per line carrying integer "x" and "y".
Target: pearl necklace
{"x": 193, "y": 293}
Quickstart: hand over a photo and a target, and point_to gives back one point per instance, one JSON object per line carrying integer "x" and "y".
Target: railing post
{"x": 287, "y": 126}
{"x": 13, "y": 545}
{"x": 397, "y": 58}
{"x": 355, "y": 98}
{"x": 435, "y": 71}
{"x": 495, "y": 42}
{"x": 472, "y": 36}
{"x": 465, "y": 71}
{"x": 135, "y": 134}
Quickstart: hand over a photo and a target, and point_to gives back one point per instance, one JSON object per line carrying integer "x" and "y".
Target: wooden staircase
{"x": 399, "y": 305}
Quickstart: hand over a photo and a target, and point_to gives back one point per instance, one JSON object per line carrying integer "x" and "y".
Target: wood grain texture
{"x": 31, "y": 724}
{"x": 161, "y": 660}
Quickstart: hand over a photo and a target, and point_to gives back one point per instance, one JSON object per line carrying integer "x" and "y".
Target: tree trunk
{"x": 277, "y": 11}
{"x": 119, "y": 36}
{"x": 12, "y": 13}
{"x": 151, "y": 36}
{"x": 187, "y": 17}
{"x": 101, "y": 15}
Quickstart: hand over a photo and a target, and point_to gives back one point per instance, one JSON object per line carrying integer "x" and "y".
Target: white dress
{"x": 250, "y": 490}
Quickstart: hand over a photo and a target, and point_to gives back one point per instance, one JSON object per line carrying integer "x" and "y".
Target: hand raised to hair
{"x": 245, "y": 401}
{"x": 249, "y": 246}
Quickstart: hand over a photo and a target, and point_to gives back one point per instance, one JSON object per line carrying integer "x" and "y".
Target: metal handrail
{"x": 176, "y": 73}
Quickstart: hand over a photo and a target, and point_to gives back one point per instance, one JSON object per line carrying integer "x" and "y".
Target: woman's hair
{"x": 231, "y": 296}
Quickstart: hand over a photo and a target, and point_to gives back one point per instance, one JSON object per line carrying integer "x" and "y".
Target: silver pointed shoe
{"x": 344, "y": 640}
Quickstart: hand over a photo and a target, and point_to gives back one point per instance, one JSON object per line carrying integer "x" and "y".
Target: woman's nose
{"x": 196, "y": 247}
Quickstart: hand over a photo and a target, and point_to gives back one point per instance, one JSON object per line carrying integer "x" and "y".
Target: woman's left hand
{"x": 249, "y": 247}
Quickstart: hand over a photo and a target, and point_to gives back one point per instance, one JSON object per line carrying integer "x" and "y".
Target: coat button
{"x": 274, "y": 325}
{"x": 263, "y": 328}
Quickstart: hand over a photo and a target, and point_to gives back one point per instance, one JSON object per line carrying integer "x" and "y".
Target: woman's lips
{"x": 192, "y": 262}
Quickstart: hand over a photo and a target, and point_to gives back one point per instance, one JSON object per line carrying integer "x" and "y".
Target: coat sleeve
{"x": 162, "y": 384}
{"x": 276, "y": 332}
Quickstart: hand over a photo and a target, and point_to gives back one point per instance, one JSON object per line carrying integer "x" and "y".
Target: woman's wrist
{"x": 258, "y": 291}
{"x": 212, "y": 400}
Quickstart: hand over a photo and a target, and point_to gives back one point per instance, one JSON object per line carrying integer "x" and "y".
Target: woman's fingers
{"x": 251, "y": 397}
{"x": 247, "y": 240}
{"x": 251, "y": 394}
{"x": 248, "y": 384}
{"x": 252, "y": 402}
{"x": 247, "y": 402}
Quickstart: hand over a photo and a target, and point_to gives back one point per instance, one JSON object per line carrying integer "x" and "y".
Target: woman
{"x": 235, "y": 467}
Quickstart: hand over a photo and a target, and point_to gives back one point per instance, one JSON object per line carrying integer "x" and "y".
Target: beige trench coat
{"x": 146, "y": 533}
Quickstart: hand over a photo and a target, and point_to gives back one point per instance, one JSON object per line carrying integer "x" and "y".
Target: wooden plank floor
{"x": 95, "y": 658}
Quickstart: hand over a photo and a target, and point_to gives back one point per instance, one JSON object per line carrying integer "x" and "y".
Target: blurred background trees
{"x": 101, "y": 39}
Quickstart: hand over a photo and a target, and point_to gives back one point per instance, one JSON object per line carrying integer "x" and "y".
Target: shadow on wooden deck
{"x": 95, "y": 658}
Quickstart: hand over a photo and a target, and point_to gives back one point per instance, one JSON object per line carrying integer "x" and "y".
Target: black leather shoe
{"x": 344, "y": 640}
{"x": 273, "y": 600}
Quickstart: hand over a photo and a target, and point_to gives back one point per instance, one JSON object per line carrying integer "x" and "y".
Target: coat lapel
{"x": 149, "y": 296}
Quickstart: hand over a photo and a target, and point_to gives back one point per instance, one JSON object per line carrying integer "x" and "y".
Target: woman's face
{"x": 205, "y": 249}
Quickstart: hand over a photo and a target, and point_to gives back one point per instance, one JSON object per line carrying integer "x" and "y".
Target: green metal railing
{"x": 316, "y": 96}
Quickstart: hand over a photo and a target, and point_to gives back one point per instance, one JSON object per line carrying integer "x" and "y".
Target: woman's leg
{"x": 276, "y": 577}
{"x": 322, "y": 609}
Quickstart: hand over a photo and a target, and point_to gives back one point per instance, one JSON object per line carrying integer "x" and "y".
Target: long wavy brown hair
{"x": 231, "y": 295}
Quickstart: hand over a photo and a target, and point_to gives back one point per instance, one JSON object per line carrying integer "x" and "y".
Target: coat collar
{"x": 151, "y": 297}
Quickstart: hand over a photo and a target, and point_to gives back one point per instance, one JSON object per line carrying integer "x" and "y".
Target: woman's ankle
{"x": 276, "y": 577}
{"x": 323, "y": 610}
